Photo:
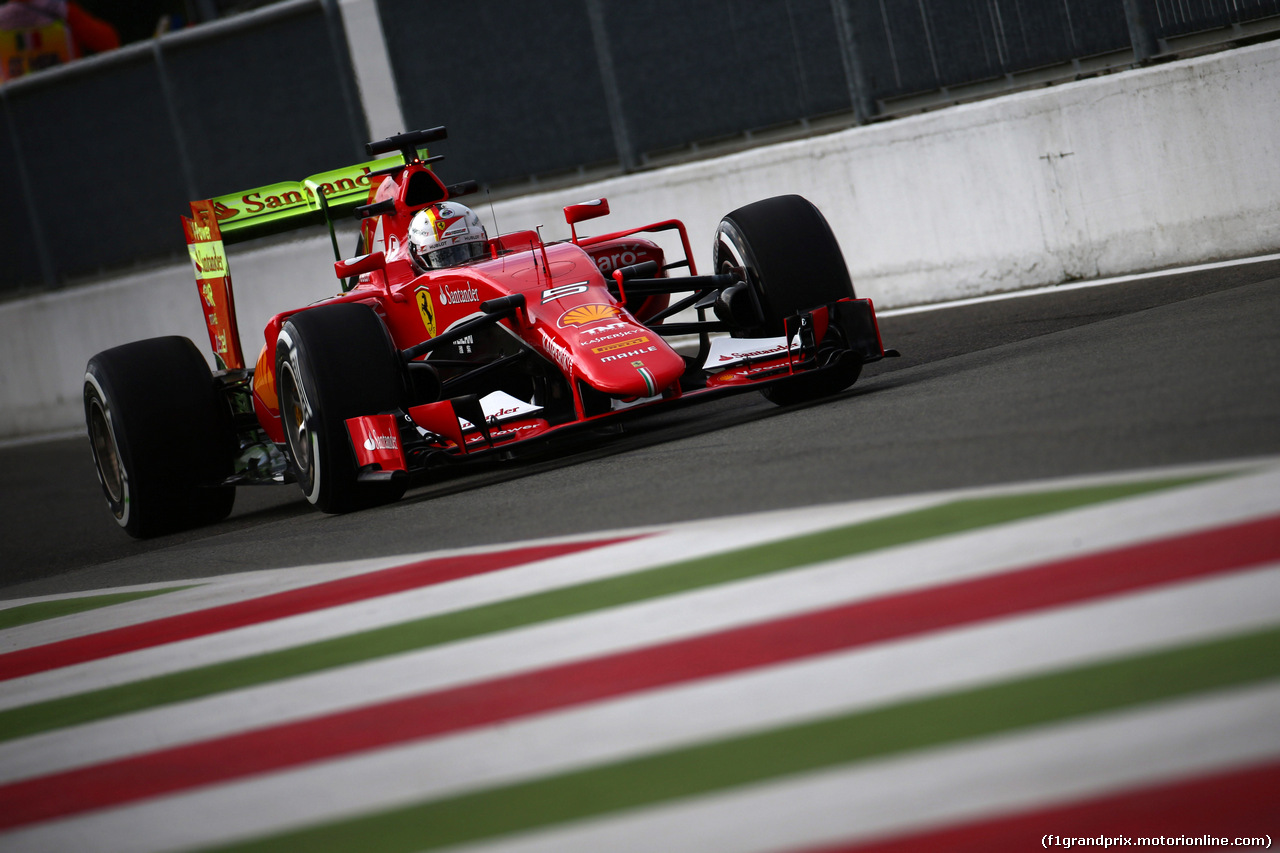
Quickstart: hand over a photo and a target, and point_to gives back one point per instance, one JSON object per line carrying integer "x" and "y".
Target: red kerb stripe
{"x": 276, "y": 606}
{"x": 432, "y": 714}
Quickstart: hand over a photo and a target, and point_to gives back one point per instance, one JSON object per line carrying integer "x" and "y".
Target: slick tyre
{"x": 793, "y": 263}
{"x": 161, "y": 436}
{"x": 333, "y": 363}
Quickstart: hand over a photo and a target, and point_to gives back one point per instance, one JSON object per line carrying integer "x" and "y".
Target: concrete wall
{"x": 1170, "y": 165}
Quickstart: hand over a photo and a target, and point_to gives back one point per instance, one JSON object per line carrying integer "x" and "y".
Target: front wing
{"x": 472, "y": 427}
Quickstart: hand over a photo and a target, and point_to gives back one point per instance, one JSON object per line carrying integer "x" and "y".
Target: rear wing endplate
{"x": 213, "y": 279}
{"x": 272, "y": 209}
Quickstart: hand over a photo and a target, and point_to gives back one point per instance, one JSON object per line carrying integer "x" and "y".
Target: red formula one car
{"x": 447, "y": 345}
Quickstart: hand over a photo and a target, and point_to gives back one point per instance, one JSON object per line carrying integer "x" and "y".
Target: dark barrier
{"x": 267, "y": 103}
{"x": 20, "y": 255}
{"x": 1179, "y": 17}
{"x": 910, "y": 46}
{"x": 111, "y": 149}
{"x": 98, "y": 158}
{"x": 697, "y": 71}
{"x": 518, "y": 84}
{"x": 105, "y": 182}
{"x": 568, "y": 84}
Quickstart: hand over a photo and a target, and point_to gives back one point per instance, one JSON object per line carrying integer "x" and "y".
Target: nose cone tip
{"x": 639, "y": 374}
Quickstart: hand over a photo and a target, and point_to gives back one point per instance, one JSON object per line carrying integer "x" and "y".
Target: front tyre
{"x": 792, "y": 262}
{"x": 333, "y": 363}
{"x": 161, "y": 436}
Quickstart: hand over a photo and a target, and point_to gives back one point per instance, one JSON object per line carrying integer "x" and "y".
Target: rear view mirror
{"x": 575, "y": 213}
{"x": 358, "y": 266}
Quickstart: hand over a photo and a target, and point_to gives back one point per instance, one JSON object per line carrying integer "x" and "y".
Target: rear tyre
{"x": 792, "y": 263}
{"x": 332, "y": 363}
{"x": 161, "y": 436}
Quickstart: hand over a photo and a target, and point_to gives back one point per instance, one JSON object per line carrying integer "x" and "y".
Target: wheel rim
{"x": 105, "y": 455}
{"x": 731, "y": 253}
{"x": 294, "y": 412}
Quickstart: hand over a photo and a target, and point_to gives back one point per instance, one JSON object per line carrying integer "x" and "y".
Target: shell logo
{"x": 583, "y": 314}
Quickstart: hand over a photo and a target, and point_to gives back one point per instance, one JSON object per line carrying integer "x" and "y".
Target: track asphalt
{"x": 1164, "y": 371}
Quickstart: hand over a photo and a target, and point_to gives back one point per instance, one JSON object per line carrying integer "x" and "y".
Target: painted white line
{"x": 203, "y": 593}
{"x": 26, "y": 440}
{"x": 1006, "y": 771}
{"x": 1075, "y": 285}
{"x": 228, "y": 588}
{"x": 221, "y": 589}
{"x": 387, "y": 610}
{"x": 659, "y": 545}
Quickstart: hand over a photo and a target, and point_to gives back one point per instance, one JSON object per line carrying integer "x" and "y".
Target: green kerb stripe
{"x": 835, "y": 741}
{"x": 529, "y": 610}
{"x": 24, "y": 614}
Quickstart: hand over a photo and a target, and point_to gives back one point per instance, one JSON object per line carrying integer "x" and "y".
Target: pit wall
{"x": 1166, "y": 166}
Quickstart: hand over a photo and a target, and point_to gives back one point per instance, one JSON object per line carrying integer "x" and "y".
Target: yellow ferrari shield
{"x": 427, "y": 310}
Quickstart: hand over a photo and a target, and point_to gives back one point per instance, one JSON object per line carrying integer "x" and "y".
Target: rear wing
{"x": 293, "y": 204}
{"x": 272, "y": 209}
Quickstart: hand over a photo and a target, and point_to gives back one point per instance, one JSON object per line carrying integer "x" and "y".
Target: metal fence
{"x": 909, "y": 46}
{"x": 98, "y": 158}
{"x": 1183, "y": 17}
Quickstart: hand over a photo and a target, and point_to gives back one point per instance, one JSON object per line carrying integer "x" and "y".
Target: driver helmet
{"x": 446, "y": 234}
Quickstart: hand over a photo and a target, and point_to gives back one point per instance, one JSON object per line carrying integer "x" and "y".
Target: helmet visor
{"x": 451, "y": 256}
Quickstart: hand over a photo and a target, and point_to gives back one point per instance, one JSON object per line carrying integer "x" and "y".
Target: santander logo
{"x": 459, "y": 296}
{"x": 381, "y": 442}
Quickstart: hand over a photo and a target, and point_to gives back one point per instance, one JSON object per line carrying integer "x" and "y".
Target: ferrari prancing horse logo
{"x": 427, "y": 310}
